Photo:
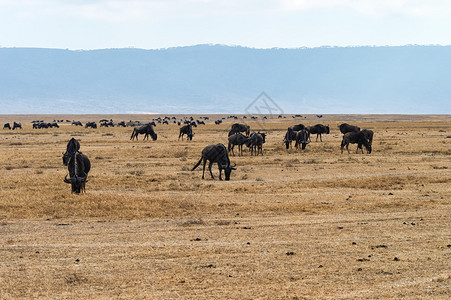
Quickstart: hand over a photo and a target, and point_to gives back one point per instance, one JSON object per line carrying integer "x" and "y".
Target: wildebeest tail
{"x": 198, "y": 163}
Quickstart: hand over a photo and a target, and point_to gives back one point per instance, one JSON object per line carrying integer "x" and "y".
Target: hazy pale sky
{"x": 149, "y": 24}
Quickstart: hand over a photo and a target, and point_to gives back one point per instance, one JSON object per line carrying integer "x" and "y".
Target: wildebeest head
{"x": 327, "y": 129}
{"x": 76, "y": 182}
{"x": 228, "y": 170}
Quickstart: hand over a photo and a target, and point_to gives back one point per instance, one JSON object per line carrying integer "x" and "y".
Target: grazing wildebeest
{"x": 345, "y": 128}
{"x": 7, "y": 126}
{"x": 217, "y": 122}
{"x": 146, "y": 130}
{"x": 216, "y": 154}
{"x": 359, "y": 138}
{"x": 256, "y": 143}
{"x": 77, "y": 123}
{"x": 91, "y": 124}
{"x": 17, "y": 125}
{"x": 78, "y": 166}
{"x": 290, "y": 136}
{"x": 188, "y": 130}
{"x": 239, "y": 140}
{"x": 72, "y": 146}
{"x": 318, "y": 129}
{"x": 237, "y": 128}
{"x": 302, "y": 137}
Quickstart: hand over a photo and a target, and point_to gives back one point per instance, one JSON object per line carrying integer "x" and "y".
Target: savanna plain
{"x": 311, "y": 224}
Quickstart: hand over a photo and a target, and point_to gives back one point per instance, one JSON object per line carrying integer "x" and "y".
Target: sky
{"x": 154, "y": 24}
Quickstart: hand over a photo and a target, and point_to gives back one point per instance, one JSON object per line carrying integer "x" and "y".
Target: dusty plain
{"x": 313, "y": 224}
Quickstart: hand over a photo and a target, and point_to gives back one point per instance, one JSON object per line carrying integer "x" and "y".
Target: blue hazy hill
{"x": 225, "y": 79}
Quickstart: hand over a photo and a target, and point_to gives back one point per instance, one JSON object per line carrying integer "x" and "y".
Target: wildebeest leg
{"x": 320, "y": 138}
{"x": 209, "y": 168}
{"x": 220, "y": 171}
{"x": 203, "y": 169}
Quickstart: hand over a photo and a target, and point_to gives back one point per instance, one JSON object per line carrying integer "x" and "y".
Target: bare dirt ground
{"x": 313, "y": 224}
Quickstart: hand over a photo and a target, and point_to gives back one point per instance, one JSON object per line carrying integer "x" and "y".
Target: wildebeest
{"x": 359, "y": 138}
{"x": 217, "y": 122}
{"x": 188, "y": 130}
{"x": 302, "y": 137}
{"x": 91, "y": 124}
{"x": 78, "y": 165}
{"x": 216, "y": 154}
{"x": 256, "y": 143}
{"x": 290, "y": 136}
{"x": 7, "y": 126}
{"x": 239, "y": 140}
{"x": 318, "y": 129}
{"x": 146, "y": 130}
{"x": 345, "y": 128}
{"x": 237, "y": 128}
{"x": 17, "y": 125}
{"x": 72, "y": 146}
{"x": 77, "y": 123}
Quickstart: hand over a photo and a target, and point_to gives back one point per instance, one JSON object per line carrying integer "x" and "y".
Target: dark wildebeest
{"x": 359, "y": 138}
{"x": 302, "y": 137}
{"x": 188, "y": 130}
{"x": 77, "y": 123}
{"x": 146, "y": 130}
{"x": 91, "y": 124}
{"x": 318, "y": 129}
{"x": 237, "y": 128}
{"x": 345, "y": 128}
{"x": 239, "y": 140}
{"x": 290, "y": 136}
{"x": 216, "y": 154}
{"x": 78, "y": 166}
{"x": 217, "y": 122}
{"x": 7, "y": 126}
{"x": 17, "y": 125}
{"x": 256, "y": 143}
{"x": 72, "y": 146}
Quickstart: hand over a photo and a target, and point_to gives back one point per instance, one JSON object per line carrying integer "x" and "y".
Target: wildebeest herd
{"x": 239, "y": 135}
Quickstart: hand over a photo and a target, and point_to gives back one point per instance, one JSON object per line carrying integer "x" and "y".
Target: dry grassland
{"x": 288, "y": 225}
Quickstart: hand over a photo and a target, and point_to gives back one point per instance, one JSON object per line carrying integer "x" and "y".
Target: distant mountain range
{"x": 225, "y": 79}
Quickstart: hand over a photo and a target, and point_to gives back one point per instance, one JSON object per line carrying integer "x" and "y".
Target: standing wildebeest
{"x": 359, "y": 138}
{"x": 239, "y": 140}
{"x": 216, "y": 154}
{"x": 237, "y": 128}
{"x": 290, "y": 136}
{"x": 17, "y": 125}
{"x": 318, "y": 129}
{"x": 146, "y": 130}
{"x": 256, "y": 143}
{"x": 302, "y": 137}
{"x": 345, "y": 128}
{"x": 7, "y": 126}
{"x": 77, "y": 123}
{"x": 78, "y": 166}
{"x": 188, "y": 130}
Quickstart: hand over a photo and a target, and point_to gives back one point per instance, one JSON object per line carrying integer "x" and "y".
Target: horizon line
{"x": 231, "y": 46}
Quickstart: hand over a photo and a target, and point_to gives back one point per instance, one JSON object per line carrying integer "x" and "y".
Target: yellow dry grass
{"x": 315, "y": 224}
